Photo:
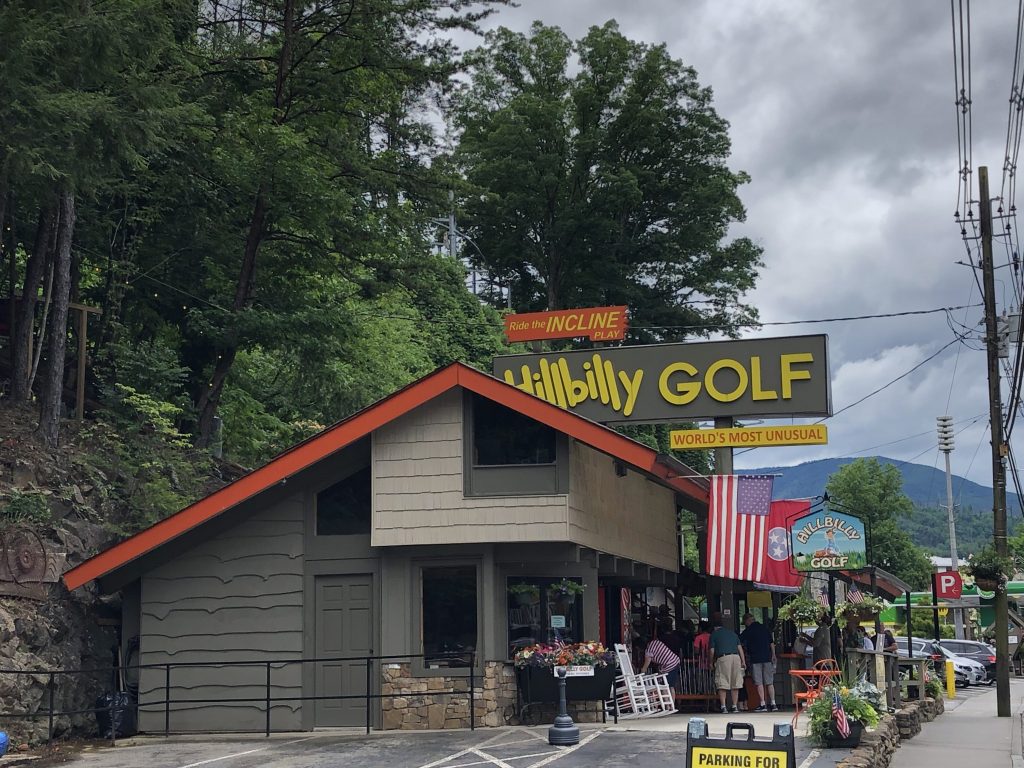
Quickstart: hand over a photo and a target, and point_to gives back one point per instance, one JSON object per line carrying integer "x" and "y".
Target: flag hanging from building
{"x": 854, "y": 595}
{"x": 779, "y": 574}
{"x": 839, "y": 715}
{"x": 823, "y": 597}
{"x": 738, "y": 525}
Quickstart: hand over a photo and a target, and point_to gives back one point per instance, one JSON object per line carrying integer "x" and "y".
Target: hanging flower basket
{"x": 865, "y": 610}
{"x": 987, "y": 583}
{"x": 566, "y": 591}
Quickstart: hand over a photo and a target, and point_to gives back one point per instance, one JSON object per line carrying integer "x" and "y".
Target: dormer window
{"x": 503, "y": 437}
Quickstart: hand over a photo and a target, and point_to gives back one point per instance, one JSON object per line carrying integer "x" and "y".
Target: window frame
{"x": 578, "y": 605}
{"x": 316, "y": 506}
{"x": 418, "y": 666}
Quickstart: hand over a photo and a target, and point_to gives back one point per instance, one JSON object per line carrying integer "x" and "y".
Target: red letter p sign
{"x": 948, "y": 585}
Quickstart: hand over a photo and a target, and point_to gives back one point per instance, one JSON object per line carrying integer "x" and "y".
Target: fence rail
{"x": 267, "y": 700}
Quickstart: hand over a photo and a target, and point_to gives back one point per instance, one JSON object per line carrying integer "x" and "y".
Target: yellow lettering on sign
{"x": 714, "y": 391}
{"x": 737, "y": 757}
{"x": 756, "y": 391}
{"x": 789, "y": 375}
{"x": 684, "y": 392}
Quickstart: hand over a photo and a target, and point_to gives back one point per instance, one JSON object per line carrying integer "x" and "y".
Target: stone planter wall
{"x": 877, "y": 747}
{"x": 422, "y": 703}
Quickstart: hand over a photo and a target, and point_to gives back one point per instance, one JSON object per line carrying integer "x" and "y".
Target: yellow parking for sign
{"x": 732, "y": 757}
{"x": 747, "y": 437}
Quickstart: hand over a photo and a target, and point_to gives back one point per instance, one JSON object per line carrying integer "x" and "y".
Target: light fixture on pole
{"x": 945, "y": 429}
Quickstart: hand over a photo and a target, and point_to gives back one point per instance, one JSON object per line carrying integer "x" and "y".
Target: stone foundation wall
{"x": 437, "y": 702}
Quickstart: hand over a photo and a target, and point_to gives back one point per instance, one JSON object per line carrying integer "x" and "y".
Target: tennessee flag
{"x": 778, "y": 572}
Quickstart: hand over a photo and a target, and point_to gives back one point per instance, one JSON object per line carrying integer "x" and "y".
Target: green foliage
{"x": 873, "y": 492}
{"x": 933, "y": 687}
{"x": 869, "y": 605}
{"x": 29, "y": 509}
{"x": 987, "y": 563}
{"x": 568, "y": 587}
{"x": 597, "y": 175}
{"x": 856, "y": 706}
{"x": 801, "y": 610}
{"x": 145, "y": 467}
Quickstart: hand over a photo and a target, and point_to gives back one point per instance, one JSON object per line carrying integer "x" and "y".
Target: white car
{"x": 973, "y": 669}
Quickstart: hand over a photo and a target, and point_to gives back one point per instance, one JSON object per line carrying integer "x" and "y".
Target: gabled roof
{"x": 361, "y": 424}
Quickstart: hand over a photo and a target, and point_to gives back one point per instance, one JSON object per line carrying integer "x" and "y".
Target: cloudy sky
{"x": 843, "y": 115}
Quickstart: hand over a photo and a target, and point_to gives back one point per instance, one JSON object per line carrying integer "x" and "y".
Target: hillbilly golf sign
{"x": 827, "y": 541}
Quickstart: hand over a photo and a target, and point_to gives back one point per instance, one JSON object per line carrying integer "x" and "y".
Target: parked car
{"x": 977, "y": 671}
{"x": 963, "y": 673}
{"x": 983, "y": 653}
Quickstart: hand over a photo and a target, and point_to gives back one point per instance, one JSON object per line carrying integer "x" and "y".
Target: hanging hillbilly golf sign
{"x": 595, "y": 323}
{"x": 771, "y": 377}
{"x": 827, "y": 541}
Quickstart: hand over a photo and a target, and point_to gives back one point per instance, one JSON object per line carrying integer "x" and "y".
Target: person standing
{"x": 729, "y": 663}
{"x": 760, "y": 648}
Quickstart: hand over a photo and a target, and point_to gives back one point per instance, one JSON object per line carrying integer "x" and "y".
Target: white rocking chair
{"x": 640, "y": 695}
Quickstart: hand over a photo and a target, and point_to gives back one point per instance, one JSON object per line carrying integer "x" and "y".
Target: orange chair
{"x": 813, "y": 680}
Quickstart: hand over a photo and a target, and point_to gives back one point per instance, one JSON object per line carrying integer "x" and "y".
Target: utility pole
{"x": 999, "y": 449}
{"x": 946, "y": 446}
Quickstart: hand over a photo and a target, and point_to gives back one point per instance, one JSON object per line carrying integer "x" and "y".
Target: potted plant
{"x": 989, "y": 569}
{"x": 859, "y": 713}
{"x": 801, "y": 610}
{"x": 869, "y": 607}
{"x": 525, "y": 594}
{"x": 566, "y": 590}
{"x": 535, "y": 671}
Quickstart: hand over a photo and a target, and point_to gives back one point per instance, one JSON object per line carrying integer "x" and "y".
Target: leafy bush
{"x": 986, "y": 563}
{"x": 857, "y": 707}
{"x": 29, "y": 509}
{"x": 933, "y": 687}
{"x": 147, "y": 468}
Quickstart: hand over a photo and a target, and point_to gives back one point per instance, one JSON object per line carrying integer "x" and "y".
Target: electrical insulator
{"x": 945, "y": 429}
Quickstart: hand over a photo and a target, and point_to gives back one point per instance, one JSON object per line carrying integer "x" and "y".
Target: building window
{"x": 540, "y": 612}
{"x": 502, "y": 436}
{"x": 344, "y": 508}
{"x": 450, "y": 627}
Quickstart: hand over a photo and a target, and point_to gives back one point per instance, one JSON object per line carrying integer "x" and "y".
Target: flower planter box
{"x": 538, "y": 685}
{"x": 834, "y": 740}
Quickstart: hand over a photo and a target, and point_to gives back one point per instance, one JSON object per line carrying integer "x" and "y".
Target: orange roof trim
{"x": 357, "y": 426}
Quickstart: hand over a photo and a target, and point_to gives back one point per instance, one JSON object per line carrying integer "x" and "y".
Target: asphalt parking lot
{"x": 608, "y": 747}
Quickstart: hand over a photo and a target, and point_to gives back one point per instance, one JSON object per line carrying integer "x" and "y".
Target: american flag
{"x": 839, "y": 715}
{"x": 738, "y": 525}
{"x": 823, "y": 597}
{"x": 854, "y": 595}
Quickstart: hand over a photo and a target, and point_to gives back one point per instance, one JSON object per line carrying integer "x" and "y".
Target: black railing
{"x": 268, "y": 700}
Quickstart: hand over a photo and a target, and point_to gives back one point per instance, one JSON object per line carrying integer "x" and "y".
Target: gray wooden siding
{"x": 627, "y": 516}
{"x": 418, "y": 488}
{"x": 236, "y": 596}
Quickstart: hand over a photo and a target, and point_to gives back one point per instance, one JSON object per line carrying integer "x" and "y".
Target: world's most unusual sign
{"x": 772, "y": 377}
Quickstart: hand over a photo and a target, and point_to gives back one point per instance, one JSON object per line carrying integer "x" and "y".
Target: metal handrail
{"x": 268, "y": 700}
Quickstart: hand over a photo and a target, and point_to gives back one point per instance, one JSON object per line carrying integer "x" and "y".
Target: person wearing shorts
{"x": 760, "y": 646}
{"x": 727, "y": 656}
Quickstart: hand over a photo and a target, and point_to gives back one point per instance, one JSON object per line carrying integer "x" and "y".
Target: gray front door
{"x": 344, "y": 628}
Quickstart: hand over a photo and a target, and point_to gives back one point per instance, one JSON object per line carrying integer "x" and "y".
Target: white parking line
{"x": 490, "y": 758}
{"x": 249, "y": 751}
{"x": 488, "y": 762}
{"x": 813, "y": 755}
{"x": 567, "y": 751}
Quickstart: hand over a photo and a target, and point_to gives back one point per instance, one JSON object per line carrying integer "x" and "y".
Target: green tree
{"x": 597, "y": 175}
{"x": 873, "y": 492}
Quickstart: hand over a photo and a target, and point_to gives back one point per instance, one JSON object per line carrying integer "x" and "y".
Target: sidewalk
{"x": 969, "y": 734}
